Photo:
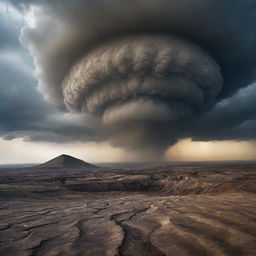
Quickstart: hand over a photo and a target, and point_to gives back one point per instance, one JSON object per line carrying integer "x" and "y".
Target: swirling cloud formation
{"x": 148, "y": 70}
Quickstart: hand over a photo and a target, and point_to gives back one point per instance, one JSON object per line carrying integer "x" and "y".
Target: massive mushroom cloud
{"x": 155, "y": 78}
{"x": 144, "y": 68}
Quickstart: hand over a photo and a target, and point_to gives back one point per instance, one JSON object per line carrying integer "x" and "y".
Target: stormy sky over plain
{"x": 137, "y": 75}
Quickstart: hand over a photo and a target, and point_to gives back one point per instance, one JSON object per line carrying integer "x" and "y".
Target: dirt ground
{"x": 176, "y": 210}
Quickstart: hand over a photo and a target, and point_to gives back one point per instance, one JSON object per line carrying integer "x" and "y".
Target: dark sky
{"x": 64, "y": 33}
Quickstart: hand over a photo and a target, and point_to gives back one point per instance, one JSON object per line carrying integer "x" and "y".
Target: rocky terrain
{"x": 68, "y": 207}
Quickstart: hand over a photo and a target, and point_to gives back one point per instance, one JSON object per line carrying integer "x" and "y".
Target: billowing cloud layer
{"x": 142, "y": 66}
{"x": 151, "y": 71}
{"x": 23, "y": 112}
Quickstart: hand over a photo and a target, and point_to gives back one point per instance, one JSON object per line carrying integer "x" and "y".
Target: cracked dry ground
{"x": 170, "y": 211}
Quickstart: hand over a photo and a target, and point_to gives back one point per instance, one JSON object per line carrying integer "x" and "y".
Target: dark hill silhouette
{"x": 65, "y": 161}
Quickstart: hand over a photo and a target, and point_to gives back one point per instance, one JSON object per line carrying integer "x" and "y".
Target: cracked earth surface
{"x": 166, "y": 211}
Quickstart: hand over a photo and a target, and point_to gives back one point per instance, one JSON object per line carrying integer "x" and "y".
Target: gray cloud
{"x": 23, "y": 111}
{"x": 152, "y": 71}
{"x": 231, "y": 119}
{"x": 224, "y": 30}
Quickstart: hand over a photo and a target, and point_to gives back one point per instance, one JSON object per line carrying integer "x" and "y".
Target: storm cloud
{"x": 23, "y": 111}
{"x": 149, "y": 72}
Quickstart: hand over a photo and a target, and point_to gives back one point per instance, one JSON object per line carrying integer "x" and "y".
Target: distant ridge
{"x": 65, "y": 161}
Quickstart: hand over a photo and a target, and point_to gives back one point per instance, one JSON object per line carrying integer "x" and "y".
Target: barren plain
{"x": 66, "y": 208}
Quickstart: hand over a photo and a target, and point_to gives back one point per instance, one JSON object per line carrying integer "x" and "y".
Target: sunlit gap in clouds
{"x": 16, "y": 151}
{"x": 187, "y": 150}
